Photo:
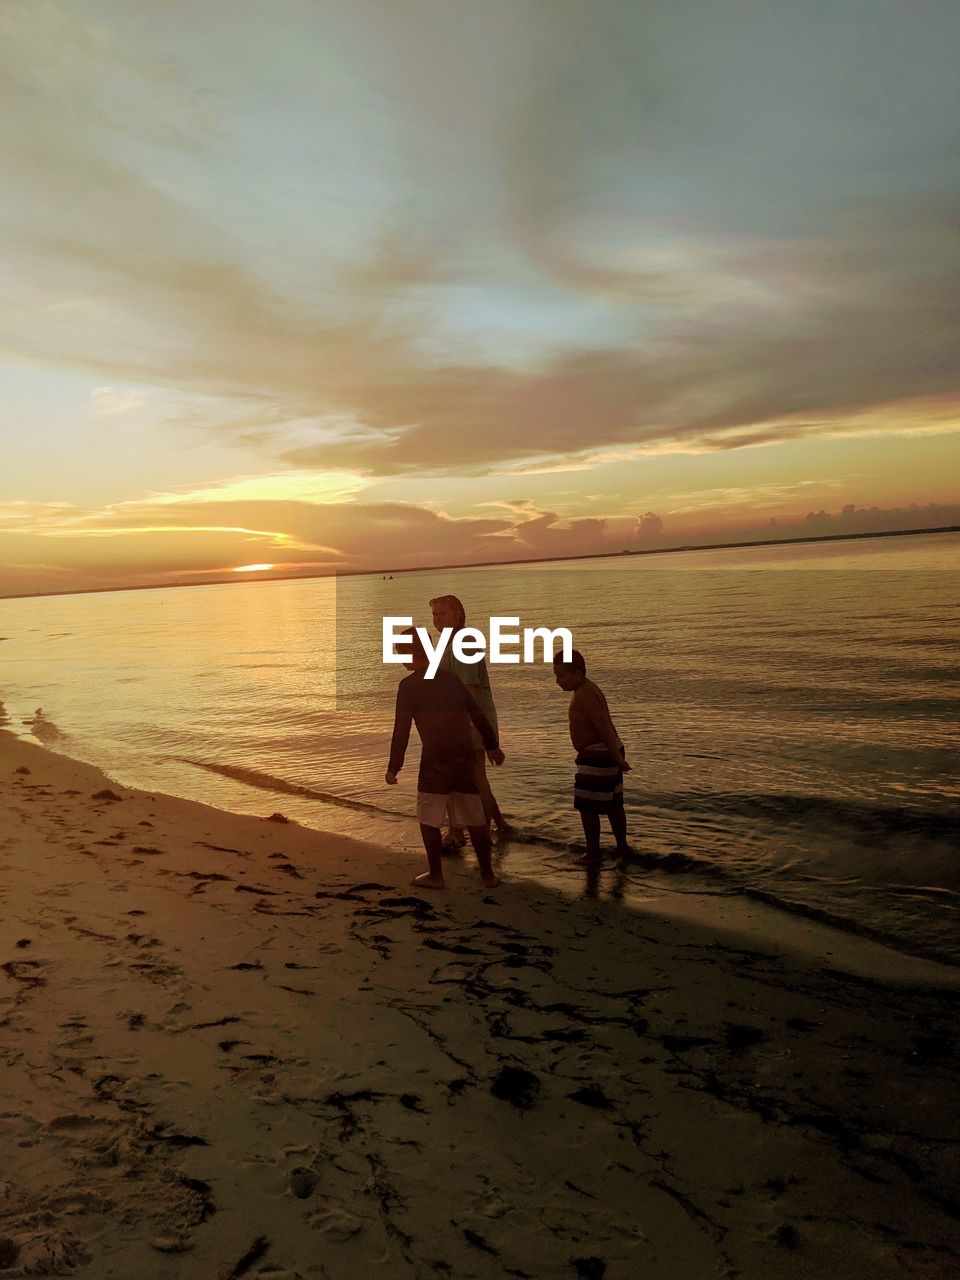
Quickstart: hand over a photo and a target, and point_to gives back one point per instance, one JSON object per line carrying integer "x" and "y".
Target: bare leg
{"x": 480, "y": 839}
{"x": 453, "y": 837}
{"x": 491, "y": 810}
{"x": 432, "y": 843}
{"x": 618, "y": 825}
{"x": 593, "y": 879}
{"x": 591, "y": 834}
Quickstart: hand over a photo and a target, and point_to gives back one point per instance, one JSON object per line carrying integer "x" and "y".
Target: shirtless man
{"x": 601, "y": 759}
{"x": 443, "y": 712}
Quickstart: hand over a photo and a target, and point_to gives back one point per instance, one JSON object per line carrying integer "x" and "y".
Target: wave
{"x": 269, "y": 782}
{"x": 42, "y": 728}
{"x": 522, "y": 833}
{"x": 847, "y": 924}
{"x": 771, "y": 808}
{"x": 715, "y": 878}
{"x": 867, "y": 818}
{"x": 725, "y": 879}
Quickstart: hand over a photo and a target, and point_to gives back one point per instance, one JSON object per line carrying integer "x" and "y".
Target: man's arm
{"x": 605, "y": 727}
{"x": 403, "y": 718}
{"x": 480, "y": 721}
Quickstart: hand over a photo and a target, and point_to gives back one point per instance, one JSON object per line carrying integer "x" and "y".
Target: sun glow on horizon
{"x": 252, "y": 568}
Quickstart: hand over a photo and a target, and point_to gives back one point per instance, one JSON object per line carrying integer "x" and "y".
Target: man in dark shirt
{"x": 442, "y": 710}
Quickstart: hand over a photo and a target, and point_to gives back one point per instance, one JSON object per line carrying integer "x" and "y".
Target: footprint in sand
{"x": 75, "y": 1122}
{"x": 302, "y": 1182}
{"x": 49, "y": 1252}
{"x": 336, "y": 1223}
{"x": 28, "y": 973}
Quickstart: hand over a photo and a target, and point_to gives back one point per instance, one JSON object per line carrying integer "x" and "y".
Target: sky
{"x": 334, "y": 286}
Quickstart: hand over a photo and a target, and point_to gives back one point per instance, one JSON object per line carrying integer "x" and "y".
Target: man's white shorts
{"x": 464, "y": 807}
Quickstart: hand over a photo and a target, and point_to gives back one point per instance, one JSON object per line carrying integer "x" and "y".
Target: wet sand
{"x": 234, "y": 1047}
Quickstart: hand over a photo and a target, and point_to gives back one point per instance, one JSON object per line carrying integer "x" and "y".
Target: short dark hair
{"x": 576, "y": 662}
{"x": 417, "y": 652}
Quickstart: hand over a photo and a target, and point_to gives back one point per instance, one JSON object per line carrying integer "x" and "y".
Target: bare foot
{"x": 427, "y": 881}
{"x": 589, "y": 859}
{"x": 490, "y": 882}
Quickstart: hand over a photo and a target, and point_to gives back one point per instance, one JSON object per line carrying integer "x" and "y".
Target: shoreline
{"x": 703, "y": 895}
{"x": 235, "y": 1046}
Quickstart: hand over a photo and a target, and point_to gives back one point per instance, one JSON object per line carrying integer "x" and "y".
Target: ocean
{"x": 791, "y": 713}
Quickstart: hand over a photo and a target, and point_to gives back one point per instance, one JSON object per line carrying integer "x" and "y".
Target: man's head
{"x": 569, "y": 675}
{"x": 448, "y": 612}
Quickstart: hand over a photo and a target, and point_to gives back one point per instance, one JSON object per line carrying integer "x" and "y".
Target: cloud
{"x": 46, "y": 547}
{"x": 158, "y": 540}
{"x": 869, "y": 336}
{"x": 649, "y": 527}
{"x": 770, "y": 260}
{"x": 117, "y": 271}
{"x": 161, "y": 542}
{"x": 17, "y": 513}
{"x": 545, "y": 534}
{"x": 665, "y": 124}
{"x": 285, "y": 486}
{"x": 525, "y": 241}
{"x": 108, "y": 402}
{"x": 775, "y": 495}
{"x": 852, "y": 520}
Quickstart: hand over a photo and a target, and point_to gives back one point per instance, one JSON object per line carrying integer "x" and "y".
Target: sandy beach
{"x": 233, "y": 1046}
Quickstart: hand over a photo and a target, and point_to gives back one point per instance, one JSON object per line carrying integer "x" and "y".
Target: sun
{"x": 252, "y": 568}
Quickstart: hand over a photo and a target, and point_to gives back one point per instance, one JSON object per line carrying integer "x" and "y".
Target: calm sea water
{"x": 792, "y": 714}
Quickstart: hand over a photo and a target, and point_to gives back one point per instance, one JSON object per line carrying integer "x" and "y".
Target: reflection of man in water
{"x": 601, "y": 759}
{"x": 443, "y": 713}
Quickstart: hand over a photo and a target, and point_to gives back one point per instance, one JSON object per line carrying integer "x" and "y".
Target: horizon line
{"x": 491, "y": 564}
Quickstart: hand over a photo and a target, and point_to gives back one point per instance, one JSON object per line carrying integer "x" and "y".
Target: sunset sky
{"x": 322, "y": 285}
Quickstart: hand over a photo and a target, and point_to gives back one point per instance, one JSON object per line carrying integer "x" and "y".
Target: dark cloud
{"x": 767, "y": 220}
{"x": 649, "y": 527}
{"x": 852, "y": 520}
{"x": 546, "y": 534}
{"x": 842, "y": 329}
{"x": 668, "y": 122}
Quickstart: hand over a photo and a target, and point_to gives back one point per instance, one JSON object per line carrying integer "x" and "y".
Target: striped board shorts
{"x": 598, "y": 785}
